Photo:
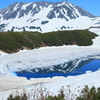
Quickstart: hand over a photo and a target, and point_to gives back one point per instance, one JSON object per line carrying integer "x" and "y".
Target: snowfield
{"x": 54, "y": 24}
{"x": 46, "y": 57}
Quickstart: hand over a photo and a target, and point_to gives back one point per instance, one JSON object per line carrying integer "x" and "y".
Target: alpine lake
{"x": 89, "y": 65}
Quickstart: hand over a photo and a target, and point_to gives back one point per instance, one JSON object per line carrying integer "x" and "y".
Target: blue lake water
{"x": 91, "y": 66}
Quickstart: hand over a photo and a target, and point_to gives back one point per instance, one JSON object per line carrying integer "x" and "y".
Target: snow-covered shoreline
{"x": 46, "y": 57}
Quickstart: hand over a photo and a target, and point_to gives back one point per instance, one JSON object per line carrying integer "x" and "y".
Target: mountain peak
{"x": 36, "y": 16}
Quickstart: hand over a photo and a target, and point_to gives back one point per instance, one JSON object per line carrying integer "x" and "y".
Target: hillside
{"x": 14, "y": 41}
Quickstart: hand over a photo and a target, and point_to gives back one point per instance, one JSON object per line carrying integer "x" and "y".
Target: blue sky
{"x": 92, "y": 6}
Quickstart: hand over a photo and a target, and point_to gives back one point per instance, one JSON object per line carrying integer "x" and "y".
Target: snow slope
{"x": 54, "y": 24}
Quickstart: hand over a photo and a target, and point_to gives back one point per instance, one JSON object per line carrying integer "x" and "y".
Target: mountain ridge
{"x": 20, "y": 6}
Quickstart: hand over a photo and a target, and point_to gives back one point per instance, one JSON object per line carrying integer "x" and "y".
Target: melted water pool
{"x": 92, "y": 66}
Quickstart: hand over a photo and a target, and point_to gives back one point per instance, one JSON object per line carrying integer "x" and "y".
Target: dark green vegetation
{"x": 89, "y": 94}
{"x": 14, "y": 41}
{"x": 23, "y": 97}
{"x": 64, "y": 94}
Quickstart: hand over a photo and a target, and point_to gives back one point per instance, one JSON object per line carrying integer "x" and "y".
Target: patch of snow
{"x": 2, "y": 53}
{"x": 34, "y": 5}
{"x": 25, "y": 5}
{"x": 15, "y": 8}
{"x": 95, "y": 30}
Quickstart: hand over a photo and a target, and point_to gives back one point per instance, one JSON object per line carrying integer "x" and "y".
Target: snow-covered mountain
{"x": 45, "y": 16}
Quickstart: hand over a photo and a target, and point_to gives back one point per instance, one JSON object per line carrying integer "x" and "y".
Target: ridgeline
{"x": 11, "y": 42}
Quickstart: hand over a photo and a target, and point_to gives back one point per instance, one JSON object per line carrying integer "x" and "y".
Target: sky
{"x": 92, "y": 6}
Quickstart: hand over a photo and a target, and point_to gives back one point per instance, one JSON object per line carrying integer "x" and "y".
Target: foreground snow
{"x": 46, "y": 57}
{"x": 53, "y": 85}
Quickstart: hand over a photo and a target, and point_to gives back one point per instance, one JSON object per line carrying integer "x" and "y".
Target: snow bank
{"x": 95, "y": 30}
{"x": 2, "y": 53}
